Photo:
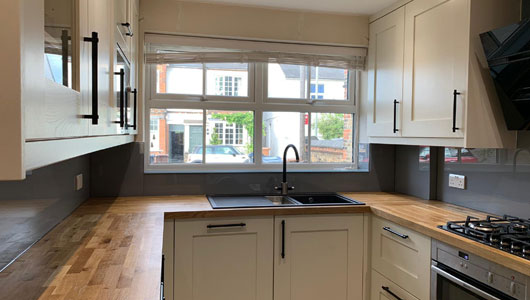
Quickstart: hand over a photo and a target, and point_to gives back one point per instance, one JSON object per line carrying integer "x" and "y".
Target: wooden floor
{"x": 111, "y": 248}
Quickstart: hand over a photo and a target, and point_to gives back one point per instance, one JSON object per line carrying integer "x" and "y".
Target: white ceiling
{"x": 358, "y": 7}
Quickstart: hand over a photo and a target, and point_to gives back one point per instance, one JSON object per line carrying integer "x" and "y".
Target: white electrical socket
{"x": 457, "y": 181}
{"x": 78, "y": 182}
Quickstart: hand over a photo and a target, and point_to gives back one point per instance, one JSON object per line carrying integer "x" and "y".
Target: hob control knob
{"x": 490, "y": 277}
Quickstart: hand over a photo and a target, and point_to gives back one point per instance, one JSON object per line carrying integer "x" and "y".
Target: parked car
{"x": 217, "y": 154}
{"x": 266, "y": 159}
{"x": 451, "y": 156}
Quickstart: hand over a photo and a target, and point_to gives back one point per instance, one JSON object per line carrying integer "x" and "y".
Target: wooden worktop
{"x": 112, "y": 248}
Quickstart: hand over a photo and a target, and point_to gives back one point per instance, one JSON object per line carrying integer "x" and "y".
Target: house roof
{"x": 293, "y": 72}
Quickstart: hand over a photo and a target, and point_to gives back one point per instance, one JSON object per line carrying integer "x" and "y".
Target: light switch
{"x": 457, "y": 181}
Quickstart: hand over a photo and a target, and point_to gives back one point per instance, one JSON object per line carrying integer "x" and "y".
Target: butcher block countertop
{"x": 112, "y": 248}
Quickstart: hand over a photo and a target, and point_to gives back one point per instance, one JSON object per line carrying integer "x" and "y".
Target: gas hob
{"x": 508, "y": 233}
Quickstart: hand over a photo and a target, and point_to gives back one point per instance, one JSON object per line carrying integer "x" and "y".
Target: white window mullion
{"x": 204, "y": 82}
{"x": 308, "y": 87}
{"x": 309, "y": 133}
{"x": 204, "y": 136}
{"x": 258, "y": 137}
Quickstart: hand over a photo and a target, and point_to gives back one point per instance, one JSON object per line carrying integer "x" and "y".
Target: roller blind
{"x": 164, "y": 49}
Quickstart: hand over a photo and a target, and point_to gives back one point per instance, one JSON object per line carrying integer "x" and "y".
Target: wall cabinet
{"x": 400, "y": 256}
{"x": 289, "y": 257}
{"x": 51, "y": 106}
{"x": 429, "y": 83}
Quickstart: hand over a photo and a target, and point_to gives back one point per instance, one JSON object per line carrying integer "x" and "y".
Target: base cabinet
{"x": 318, "y": 257}
{"x": 310, "y": 257}
{"x": 401, "y": 256}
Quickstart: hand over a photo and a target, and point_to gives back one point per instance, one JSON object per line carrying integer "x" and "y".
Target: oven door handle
{"x": 463, "y": 284}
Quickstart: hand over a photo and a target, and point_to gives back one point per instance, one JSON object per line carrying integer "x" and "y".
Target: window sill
{"x": 240, "y": 171}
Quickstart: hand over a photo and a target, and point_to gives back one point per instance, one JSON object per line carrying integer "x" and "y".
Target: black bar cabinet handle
{"x": 283, "y": 239}
{"x": 135, "y": 104}
{"x": 128, "y": 26}
{"x": 65, "y": 39}
{"x": 395, "y": 115}
{"x": 387, "y": 289}
{"x": 226, "y": 225}
{"x": 94, "y": 40}
{"x": 126, "y": 108}
{"x": 162, "y": 297}
{"x": 134, "y": 92}
{"x": 121, "y": 73}
{"x": 455, "y": 96}
{"x": 403, "y": 236}
{"x": 163, "y": 264}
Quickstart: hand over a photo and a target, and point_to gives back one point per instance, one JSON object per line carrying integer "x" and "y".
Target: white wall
{"x": 251, "y": 22}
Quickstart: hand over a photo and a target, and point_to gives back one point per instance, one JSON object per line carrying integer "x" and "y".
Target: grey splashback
{"x": 30, "y": 208}
{"x": 119, "y": 172}
{"x": 416, "y": 176}
{"x": 500, "y": 184}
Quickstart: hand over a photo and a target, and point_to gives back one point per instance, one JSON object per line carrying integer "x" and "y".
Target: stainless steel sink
{"x": 246, "y": 201}
{"x": 281, "y": 200}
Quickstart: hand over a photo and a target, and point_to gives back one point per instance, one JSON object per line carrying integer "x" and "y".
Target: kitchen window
{"x": 222, "y": 115}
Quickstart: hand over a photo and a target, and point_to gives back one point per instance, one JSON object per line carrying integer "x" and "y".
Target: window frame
{"x": 151, "y": 83}
{"x": 257, "y": 102}
{"x": 352, "y": 76}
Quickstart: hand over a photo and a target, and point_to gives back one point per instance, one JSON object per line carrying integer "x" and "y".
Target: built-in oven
{"x": 456, "y": 274}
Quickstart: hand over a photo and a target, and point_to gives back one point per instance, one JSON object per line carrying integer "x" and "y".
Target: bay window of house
{"x": 221, "y": 110}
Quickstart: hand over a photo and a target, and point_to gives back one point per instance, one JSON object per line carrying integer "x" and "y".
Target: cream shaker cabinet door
{"x": 385, "y": 75}
{"x": 318, "y": 257}
{"x": 52, "y": 100}
{"x": 436, "y": 64}
{"x": 223, "y": 259}
{"x": 99, "y": 20}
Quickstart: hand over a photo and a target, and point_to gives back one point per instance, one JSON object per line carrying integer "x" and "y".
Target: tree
{"x": 214, "y": 139}
{"x": 331, "y": 126}
{"x": 245, "y": 119}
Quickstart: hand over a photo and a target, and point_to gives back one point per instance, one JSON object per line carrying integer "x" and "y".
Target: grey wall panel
{"x": 119, "y": 172}
{"x": 30, "y": 208}
{"x": 500, "y": 187}
{"x": 413, "y": 177}
{"x": 526, "y": 9}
